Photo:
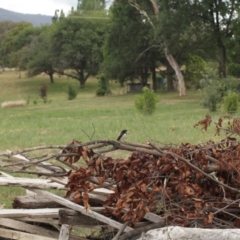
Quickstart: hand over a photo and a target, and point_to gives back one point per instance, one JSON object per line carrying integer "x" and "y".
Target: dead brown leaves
{"x": 166, "y": 185}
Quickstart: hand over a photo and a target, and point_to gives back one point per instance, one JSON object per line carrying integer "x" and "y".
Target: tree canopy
{"x": 129, "y": 41}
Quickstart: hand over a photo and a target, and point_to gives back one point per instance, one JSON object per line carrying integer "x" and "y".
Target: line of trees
{"x": 128, "y": 41}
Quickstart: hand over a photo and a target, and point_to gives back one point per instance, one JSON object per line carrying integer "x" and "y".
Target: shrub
{"x": 103, "y": 87}
{"x": 72, "y": 92}
{"x": 146, "y": 102}
{"x": 234, "y": 69}
{"x": 211, "y": 98}
{"x": 230, "y": 102}
{"x": 43, "y": 91}
{"x": 213, "y": 90}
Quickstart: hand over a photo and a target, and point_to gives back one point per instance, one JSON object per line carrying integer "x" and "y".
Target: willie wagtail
{"x": 122, "y": 135}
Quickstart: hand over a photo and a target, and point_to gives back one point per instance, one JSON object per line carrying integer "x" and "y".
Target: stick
{"x": 120, "y": 231}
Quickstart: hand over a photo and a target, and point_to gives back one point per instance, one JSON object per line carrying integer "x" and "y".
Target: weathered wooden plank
{"x": 33, "y": 202}
{"x": 30, "y": 182}
{"x": 32, "y": 213}
{"x": 3, "y": 174}
{"x": 17, "y": 225}
{"x": 39, "y": 220}
{"x": 74, "y": 218}
{"x": 12, "y": 234}
{"x": 153, "y": 217}
{"x": 97, "y": 198}
{"x": 80, "y": 208}
{"x": 64, "y": 233}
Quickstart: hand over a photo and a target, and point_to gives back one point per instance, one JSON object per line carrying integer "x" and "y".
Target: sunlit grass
{"x": 59, "y": 121}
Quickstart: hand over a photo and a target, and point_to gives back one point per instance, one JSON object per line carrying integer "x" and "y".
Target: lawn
{"x": 60, "y": 120}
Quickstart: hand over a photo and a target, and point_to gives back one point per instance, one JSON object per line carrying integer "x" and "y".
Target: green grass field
{"x": 62, "y": 120}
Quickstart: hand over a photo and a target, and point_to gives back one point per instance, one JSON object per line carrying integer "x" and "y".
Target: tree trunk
{"x": 51, "y": 77}
{"x": 222, "y": 61}
{"x": 144, "y": 75}
{"x": 19, "y": 74}
{"x": 170, "y": 86}
{"x": 170, "y": 58}
{"x": 82, "y": 79}
{"x": 154, "y": 80}
{"x": 175, "y": 66}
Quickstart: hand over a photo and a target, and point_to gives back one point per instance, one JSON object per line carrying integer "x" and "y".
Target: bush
{"x": 213, "y": 90}
{"x": 234, "y": 69}
{"x": 230, "y": 102}
{"x": 211, "y": 98}
{"x": 72, "y": 92}
{"x": 103, "y": 87}
{"x": 146, "y": 102}
{"x": 43, "y": 91}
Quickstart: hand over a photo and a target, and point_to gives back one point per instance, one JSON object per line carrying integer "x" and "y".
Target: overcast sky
{"x": 45, "y": 7}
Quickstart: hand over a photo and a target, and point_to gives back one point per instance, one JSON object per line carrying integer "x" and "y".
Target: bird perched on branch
{"x": 122, "y": 135}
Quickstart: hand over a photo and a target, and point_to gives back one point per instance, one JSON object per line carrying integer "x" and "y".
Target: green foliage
{"x": 41, "y": 57}
{"x": 93, "y": 5}
{"x": 78, "y": 41}
{"x": 195, "y": 68}
{"x": 16, "y": 38}
{"x": 234, "y": 69}
{"x": 211, "y": 98}
{"x": 103, "y": 87}
{"x": 127, "y": 28}
{"x": 146, "y": 102}
{"x": 72, "y": 92}
{"x": 213, "y": 90}
{"x": 230, "y": 102}
{"x": 35, "y": 101}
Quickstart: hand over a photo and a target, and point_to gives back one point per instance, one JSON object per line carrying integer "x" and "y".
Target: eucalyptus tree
{"x": 126, "y": 53}
{"x": 152, "y": 16}
{"x": 218, "y": 16}
{"x": 233, "y": 46}
{"x": 182, "y": 35}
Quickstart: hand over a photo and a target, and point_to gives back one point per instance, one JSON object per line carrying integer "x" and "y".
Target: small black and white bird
{"x": 122, "y": 135}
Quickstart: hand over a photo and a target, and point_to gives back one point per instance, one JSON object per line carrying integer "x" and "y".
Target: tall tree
{"x": 218, "y": 15}
{"x": 5, "y": 26}
{"x": 15, "y": 40}
{"x": 78, "y": 41}
{"x": 177, "y": 29}
{"x": 153, "y": 16}
{"x": 128, "y": 38}
{"x": 233, "y": 46}
{"x": 40, "y": 53}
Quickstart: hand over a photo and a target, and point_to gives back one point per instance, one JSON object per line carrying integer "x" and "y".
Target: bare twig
{"x": 120, "y": 231}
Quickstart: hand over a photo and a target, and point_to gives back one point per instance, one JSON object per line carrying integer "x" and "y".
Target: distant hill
{"x": 35, "y": 19}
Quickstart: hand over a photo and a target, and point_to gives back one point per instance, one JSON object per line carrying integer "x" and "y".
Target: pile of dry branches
{"x": 187, "y": 185}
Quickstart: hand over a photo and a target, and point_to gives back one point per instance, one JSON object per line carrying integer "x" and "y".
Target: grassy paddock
{"x": 59, "y": 120}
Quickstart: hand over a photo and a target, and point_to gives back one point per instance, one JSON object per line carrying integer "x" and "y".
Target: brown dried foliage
{"x": 205, "y": 123}
{"x": 164, "y": 185}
